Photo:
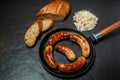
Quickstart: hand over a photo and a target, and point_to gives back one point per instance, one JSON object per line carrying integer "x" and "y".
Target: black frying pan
{"x": 62, "y": 59}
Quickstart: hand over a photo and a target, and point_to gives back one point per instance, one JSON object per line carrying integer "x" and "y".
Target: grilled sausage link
{"x": 57, "y": 36}
{"x": 82, "y": 42}
{"x": 72, "y": 67}
{"x": 66, "y": 51}
{"x": 48, "y": 56}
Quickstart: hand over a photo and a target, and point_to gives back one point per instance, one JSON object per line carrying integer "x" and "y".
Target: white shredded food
{"x": 84, "y": 20}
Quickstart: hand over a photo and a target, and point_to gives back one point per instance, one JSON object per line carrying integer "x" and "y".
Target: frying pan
{"x": 62, "y": 59}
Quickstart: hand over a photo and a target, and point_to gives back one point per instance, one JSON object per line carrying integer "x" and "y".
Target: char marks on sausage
{"x": 82, "y": 42}
{"x": 48, "y": 55}
{"x": 72, "y": 67}
{"x": 66, "y": 51}
{"x": 57, "y": 36}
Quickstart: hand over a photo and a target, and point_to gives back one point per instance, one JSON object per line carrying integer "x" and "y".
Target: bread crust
{"x": 57, "y": 10}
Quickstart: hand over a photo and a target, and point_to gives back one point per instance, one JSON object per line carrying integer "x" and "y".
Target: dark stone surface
{"x": 18, "y": 62}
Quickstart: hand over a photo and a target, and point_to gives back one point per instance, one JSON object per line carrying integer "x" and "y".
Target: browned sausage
{"x": 82, "y": 42}
{"x": 72, "y": 67}
{"x": 57, "y": 36}
{"x": 49, "y": 57}
{"x": 66, "y": 51}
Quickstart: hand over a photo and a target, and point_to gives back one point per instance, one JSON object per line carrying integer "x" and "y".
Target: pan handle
{"x": 106, "y": 30}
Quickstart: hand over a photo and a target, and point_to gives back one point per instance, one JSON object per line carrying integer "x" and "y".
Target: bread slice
{"x": 32, "y": 33}
{"x": 57, "y": 10}
{"x": 47, "y": 24}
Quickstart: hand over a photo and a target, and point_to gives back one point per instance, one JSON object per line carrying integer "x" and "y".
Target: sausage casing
{"x": 48, "y": 56}
{"x": 72, "y": 67}
{"x": 57, "y": 36}
{"x": 82, "y": 42}
{"x": 66, "y": 51}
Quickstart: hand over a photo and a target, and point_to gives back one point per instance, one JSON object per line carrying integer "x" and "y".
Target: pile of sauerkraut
{"x": 84, "y": 20}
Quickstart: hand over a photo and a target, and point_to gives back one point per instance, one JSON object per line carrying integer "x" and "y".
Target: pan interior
{"x": 60, "y": 58}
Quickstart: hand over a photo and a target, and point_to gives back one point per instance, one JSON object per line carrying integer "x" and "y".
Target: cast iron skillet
{"x": 62, "y": 59}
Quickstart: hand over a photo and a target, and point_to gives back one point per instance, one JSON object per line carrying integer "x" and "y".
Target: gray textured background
{"x": 18, "y": 62}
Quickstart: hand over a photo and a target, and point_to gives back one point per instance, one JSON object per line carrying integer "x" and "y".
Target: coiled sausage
{"x": 82, "y": 42}
{"x": 66, "y": 51}
{"x": 48, "y": 56}
{"x": 57, "y": 36}
{"x": 72, "y": 67}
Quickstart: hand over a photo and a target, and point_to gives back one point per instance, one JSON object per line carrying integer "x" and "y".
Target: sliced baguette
{"x": 32, "y": 33}
{"x": 47, "y": 24}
